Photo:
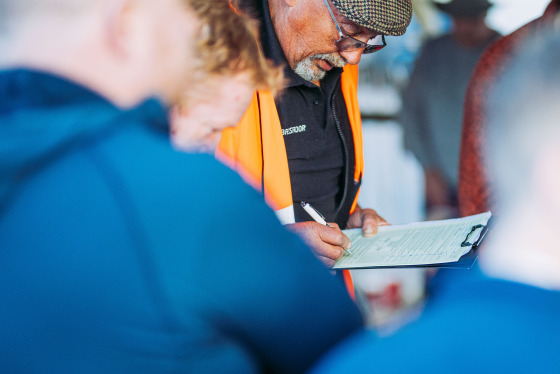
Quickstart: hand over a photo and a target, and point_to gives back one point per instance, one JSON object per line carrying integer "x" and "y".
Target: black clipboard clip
{"x": 466, "y": 243}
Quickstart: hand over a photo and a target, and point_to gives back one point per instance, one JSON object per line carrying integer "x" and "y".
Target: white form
{"x": 421, "y": 243}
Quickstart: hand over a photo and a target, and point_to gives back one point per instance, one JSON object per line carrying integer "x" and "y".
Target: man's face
{"x": 217, "y": 103}
{"x": 308, "y": 35}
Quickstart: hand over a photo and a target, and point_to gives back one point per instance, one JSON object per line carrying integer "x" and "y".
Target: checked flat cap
{"x": 389, "y": 17}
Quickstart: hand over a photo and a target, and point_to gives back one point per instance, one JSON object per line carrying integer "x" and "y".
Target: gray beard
{"x": 310, "y": 72}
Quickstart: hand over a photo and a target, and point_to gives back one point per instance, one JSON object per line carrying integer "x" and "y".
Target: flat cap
{"x": 388, "y": 17}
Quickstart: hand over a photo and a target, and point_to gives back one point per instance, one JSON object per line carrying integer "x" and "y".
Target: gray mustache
{"x": 335, "y": 60}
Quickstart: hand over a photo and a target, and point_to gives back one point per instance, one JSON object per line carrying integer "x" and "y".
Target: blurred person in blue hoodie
{"x": 502, "y": 316}
{"x": 118, "y": 254}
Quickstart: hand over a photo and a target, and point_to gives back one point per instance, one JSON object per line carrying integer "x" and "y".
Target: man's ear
{"x": 118, "y": 23}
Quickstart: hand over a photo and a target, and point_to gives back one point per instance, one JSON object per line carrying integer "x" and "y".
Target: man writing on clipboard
{"x": 306, "y": 144}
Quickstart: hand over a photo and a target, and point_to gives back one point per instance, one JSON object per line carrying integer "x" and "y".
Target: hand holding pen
{"x": 327, "y": 242}
{"x": 318, "y": 217}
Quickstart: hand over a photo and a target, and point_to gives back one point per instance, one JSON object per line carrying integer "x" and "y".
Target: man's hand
{"x": 328, "y": 243}
{"x": 367, "y": 219}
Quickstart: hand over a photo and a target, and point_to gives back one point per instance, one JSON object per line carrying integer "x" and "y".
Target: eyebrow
{"x": 354, "y": 28}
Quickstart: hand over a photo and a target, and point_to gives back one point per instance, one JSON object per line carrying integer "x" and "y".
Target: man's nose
{"x": 352, "y": 57}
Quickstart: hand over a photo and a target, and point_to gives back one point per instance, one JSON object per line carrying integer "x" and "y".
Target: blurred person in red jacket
{"x": 475, "y": 191}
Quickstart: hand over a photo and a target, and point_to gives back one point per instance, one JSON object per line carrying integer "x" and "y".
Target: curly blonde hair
{"x": 228, "y": 44}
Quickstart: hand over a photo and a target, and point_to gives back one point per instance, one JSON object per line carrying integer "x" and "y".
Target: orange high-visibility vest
{"x": 255, "y": 147}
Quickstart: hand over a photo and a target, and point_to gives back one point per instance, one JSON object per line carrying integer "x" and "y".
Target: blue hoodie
{"x": 118, "y": 254}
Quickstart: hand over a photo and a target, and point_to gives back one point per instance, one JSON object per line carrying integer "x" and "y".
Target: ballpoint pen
{"x": 314, "y": 213}
{"x": 317, "y": 217}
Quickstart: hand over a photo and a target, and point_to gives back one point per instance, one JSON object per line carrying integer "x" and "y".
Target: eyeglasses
{"x": 348, "y": 43}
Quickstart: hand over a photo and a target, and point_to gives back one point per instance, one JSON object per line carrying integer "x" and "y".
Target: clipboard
{"x": 476, "y": 232}
{"x": 468, "y": 259}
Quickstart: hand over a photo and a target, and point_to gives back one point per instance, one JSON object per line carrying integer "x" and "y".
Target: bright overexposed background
{"x": 507, "y": 15}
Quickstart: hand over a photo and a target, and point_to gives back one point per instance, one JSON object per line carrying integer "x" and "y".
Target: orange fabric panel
{"x": 277, "y": 183}
{"x": 241, "y": 148}
{"x": 245, "y": 136}
{"x": 349, "y": 85}
{"x": 349, "y": 283}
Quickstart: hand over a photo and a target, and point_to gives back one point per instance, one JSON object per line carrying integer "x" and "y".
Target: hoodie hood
{"x": 43, "y": 116}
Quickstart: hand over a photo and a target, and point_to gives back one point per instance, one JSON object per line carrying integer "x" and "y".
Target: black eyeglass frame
{"x": 348, "y": 43}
